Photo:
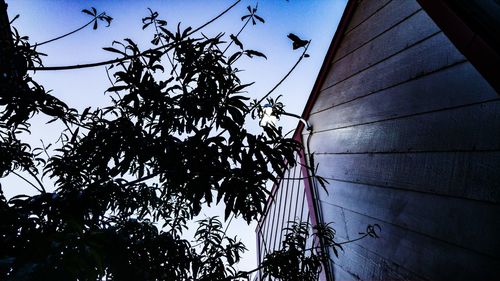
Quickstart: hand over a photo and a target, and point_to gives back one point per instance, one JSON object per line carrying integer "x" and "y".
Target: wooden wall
{"x": 408, "y": 133}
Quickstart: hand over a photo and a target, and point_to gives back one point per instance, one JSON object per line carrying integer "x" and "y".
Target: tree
{"x": 130, "y": 176}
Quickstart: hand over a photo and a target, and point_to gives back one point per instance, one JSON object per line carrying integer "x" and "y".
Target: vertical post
{"x": 312, "y": 196}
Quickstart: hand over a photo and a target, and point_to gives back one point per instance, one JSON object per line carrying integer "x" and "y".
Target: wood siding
{"x": 408, "y": 133}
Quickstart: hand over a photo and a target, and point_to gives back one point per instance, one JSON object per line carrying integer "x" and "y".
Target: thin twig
{"x": 353, "y": 240}
{"x": 168, "y": 48}
{"x": 45, "y": 148}
{"x": 37, "y": 180}
{"x": 275, "y": 86}
{"x": 341, "y": 243}
{"x": 237, "y": 34}
{"x": 142, "y": 179}
{"x": 215, "y": 18}
{"x": 229, "y": 223}
{"x": 67, "y": 127}
{"x": 26, "y": 180}
{"x": 282, "y": 79}
{"x": 109, "y": 78}
{"x": 67, "y": 34}
{"x": 244, "y": 274}
{"x": 85, "y": 65}
{"x": 163, "y": 45}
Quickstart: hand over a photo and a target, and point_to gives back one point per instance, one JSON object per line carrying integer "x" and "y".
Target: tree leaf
{"x": 113, "y": 50}
{"x": 259, "y": 18}
{"x": 87, "y": 12}
{"x": 233, "y": 57}
{"x": 236, "y": 41}
{"x": 252, "y": 53}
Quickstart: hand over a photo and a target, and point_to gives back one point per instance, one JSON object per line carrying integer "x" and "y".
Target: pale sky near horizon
{"x": 43, "y": 19}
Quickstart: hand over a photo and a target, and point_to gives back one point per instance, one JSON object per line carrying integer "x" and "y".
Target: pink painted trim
{"x": 346, "y": 16}
{"x": 325, "y": 67}
{"x": 308, "y": 189}
{"x": 311, "y": 203}
{"x": 298, "y": 138}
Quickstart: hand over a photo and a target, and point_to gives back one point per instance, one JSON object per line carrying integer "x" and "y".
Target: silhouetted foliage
{"x": 130, "y": 176}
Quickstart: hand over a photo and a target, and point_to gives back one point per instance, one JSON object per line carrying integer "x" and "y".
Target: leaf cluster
{"x": 98, "y": 17}
{"x": 129, "y": 177}
{"x": 299, "y": 257}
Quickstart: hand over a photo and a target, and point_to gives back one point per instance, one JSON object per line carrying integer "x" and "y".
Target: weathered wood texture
{"x": 364, "y": 12}
{"x": 396, "y": 70}
{"x": 416, "y": 28}
{"x": 455, "y": 129}
{"x": 404, "y": 254}
{"x": 423, "y": 213}
{"x": 408, "y": 132}
{"x": 457, "y": 86}
{"x": 383, "y": 19}
{"x": 469, "y": 175}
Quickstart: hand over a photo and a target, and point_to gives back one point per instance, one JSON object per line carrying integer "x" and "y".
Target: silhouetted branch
{"x": 167, "y": 47}
{"x": 29, "y": 182}
{"x": 67, "y": 34}
{"x": 282, "y": 79}
{"x": 277, "y": 84}
{"x": 85, "y": 65}
{"x": 237, "y": 34}
{"x": 37, "y": 180}
{"x": 244, "y": 274}
{"x": 215, "y": 18}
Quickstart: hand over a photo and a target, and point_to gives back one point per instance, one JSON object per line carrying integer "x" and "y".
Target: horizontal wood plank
{"x": 455, "y": 220}
{"x": 402, "y": 36}
{"x": 361, "y": 264}
{"x": 408, "y": 132}
{"x": 390, "y": 15}
{"x": 401, "y": 254}
{"x": 475, "y": 127}
{"x": 471, "y": 175}
{"x": 364, "y": 10}
{"x": 454, "y": 86}
{"x": 340, "y": 274}
{"x": 430, "y": 56}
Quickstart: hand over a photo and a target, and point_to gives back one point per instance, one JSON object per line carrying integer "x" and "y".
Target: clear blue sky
{"x": 309, "y": 19}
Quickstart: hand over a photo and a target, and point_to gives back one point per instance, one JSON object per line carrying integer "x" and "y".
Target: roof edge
{"x": 468, "y": 41}
{"x": 332, "y": 49}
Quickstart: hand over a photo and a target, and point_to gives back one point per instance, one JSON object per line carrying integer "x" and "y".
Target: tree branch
{"x": 215, "y": 18}
{"x": 237, "y": 34}
{"x": 243, "y": 274}
{"x": 67, "y": 34}
{"x": 37, "y": 180}
{"x": 30, "y": 183}
{"x": 284, "y": 77}
{"x": 168, "y": 47}
{"x": 277, "y": 85}
{"x": 163, "y": 45}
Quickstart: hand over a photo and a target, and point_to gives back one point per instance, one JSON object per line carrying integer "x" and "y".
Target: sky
{"x": 316, "y": 20}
